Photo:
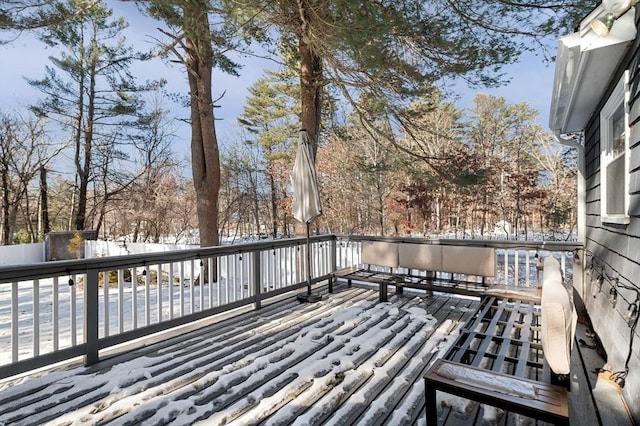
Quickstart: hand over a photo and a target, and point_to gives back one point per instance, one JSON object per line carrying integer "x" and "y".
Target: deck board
{"x": 266, "y": 366}
{"x": 605, "y": 395}
{"x": 347, "y": 360}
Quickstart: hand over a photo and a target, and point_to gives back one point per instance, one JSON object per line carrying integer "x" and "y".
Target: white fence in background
{"x": 21, "y": 254}
{"x": 118, "y": 248}
{"x": 26, "y": 254}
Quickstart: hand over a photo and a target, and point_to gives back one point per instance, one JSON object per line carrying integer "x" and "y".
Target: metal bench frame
{"x": 502, "y": 338}
{"x": 403, "y": 262}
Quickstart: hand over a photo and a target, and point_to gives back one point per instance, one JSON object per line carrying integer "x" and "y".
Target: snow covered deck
{"x": 345, "y": 360}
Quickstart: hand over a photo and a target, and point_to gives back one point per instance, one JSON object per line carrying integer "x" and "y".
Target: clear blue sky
{"x": 531, "y": 79}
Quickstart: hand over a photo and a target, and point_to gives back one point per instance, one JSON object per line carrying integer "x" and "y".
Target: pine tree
{"x": 271, "y": 116}
{"x": 397, "y": 51}
{"x": 89, "y": 89}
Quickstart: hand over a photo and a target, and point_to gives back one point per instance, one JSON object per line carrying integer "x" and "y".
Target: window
{"x": 614, "y": 156}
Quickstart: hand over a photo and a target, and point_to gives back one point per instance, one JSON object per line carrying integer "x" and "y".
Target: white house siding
{"x": 617, "y": 247}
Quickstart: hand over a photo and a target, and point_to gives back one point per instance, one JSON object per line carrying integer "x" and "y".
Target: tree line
{"x": 377, "y": 63}
{"x": 459, "y": 172}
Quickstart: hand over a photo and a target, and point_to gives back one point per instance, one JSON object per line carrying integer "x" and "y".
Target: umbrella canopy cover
{"x": 306, "y": 196}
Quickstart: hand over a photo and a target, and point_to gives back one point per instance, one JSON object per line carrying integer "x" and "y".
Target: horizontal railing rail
{"x": 54, "y": 311}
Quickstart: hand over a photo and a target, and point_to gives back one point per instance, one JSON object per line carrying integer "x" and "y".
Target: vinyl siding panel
{"x": 635, "y": 130}
{"x": 634, "y": 182}
{"x": 634, "y": 205}
{"x": 634, "y": 113}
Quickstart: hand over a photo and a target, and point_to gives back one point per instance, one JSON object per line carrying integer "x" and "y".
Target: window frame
{"x": 620, "y": 95}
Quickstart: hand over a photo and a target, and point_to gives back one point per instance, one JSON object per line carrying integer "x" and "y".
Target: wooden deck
{"x": 345, "y": 360}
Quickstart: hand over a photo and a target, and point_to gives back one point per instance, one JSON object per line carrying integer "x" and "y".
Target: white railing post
{"x": 525, "y": 267}
{"x": 203, "y": 282}
{"x": 192, "y": 272}
{"x": 182, "y": 278}
{"x": 105, "y": 301}
{"x": 147, "y": 295}
{"x": 170, "y": 289}
{"x": 210, "y": 266}
{"x": 159, "y": 292}
{"x": 134, "y": 298}
{"x": 516, "y": 268}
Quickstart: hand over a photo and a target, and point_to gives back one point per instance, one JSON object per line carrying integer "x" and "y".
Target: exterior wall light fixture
{"x": 603, "y": 24}
{"x": 596, "y": 285}
{"x": 632, "y": 314}
{"x": 614, "y": 9}
{"x": 613, "y": 296}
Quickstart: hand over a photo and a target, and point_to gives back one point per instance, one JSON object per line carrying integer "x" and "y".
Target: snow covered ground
{"x": 345, "y": 360}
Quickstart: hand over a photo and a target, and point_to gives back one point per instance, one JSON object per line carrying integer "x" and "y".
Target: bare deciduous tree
{"x": 23, "y": 152}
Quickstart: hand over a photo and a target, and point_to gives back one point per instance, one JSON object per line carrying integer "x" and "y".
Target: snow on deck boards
{"x": 345, "y": 360}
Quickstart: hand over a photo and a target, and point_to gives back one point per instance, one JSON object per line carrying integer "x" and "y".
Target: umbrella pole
{"x": 308, "y": 261}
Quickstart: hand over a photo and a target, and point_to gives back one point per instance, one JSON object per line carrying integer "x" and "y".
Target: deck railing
{"x": 51, "y": 312}
{"x": 517, "y": 261}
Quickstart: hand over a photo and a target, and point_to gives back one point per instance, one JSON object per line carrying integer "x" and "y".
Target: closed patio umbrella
{"x": 306, "y": 198}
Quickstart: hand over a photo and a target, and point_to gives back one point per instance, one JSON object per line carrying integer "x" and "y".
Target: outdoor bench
{"x": 415, "y": 265}
{"x": 512, "y": 354}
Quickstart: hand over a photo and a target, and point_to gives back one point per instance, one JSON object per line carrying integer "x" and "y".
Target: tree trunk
{"x": 82, "y": 203}
{"x": 6, "y": 232}
{"x": 136, "y": 231}
{"x": 310, "y": 88}
{"x": 310, "y": 84}
{"x": 205, "y": 161}
{"x": 26, "y": 213}
{"x": 46, "y": 225}
{"x": 85, "y": 137}
{"x": 274, "y": 206}
{"x": 255, "y": 203}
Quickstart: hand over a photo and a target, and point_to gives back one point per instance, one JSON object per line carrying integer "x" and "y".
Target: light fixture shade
{"x": 617, "y": 6}
{"x": 603, "y": 25}
{"x": 596, "y": 285}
